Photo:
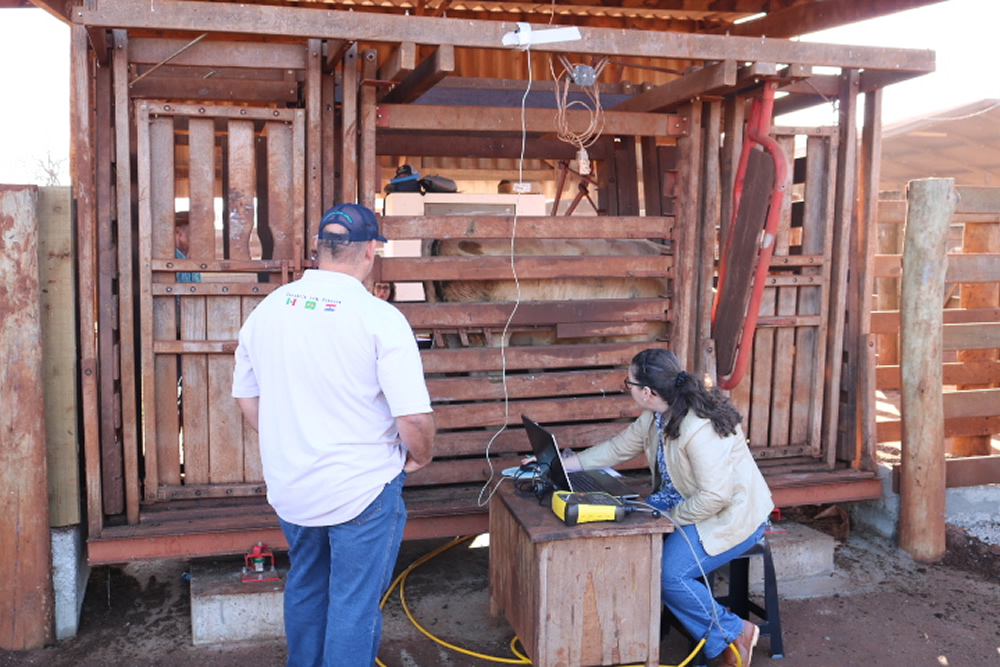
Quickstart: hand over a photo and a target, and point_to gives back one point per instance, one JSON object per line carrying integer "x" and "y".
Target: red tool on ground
{"x": 259, "y": 565}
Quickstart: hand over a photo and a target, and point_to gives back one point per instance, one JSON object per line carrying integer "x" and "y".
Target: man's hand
{"x": 417, "y": 433}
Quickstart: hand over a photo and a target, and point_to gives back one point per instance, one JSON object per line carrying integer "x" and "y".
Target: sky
{"x": 34, "y": 76}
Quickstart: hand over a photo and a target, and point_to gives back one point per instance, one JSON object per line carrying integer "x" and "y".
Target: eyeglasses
{"x": 628, "y": 384}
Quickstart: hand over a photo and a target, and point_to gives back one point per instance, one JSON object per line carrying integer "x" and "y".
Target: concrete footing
{"x": 974, "y": 508}
{"x": 70, "y": 572}
{"x": 226, "y": 609}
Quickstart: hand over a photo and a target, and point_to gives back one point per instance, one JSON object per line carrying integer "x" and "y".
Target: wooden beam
{"x": 432, "y": 70}
{"x": 238, "y": 90}
{"x": 965, "y": 471}
{"x": 216, "y": 53}
{"x": 710, "y": 80}
{"x": 26, "y": 588}
{"x": 425, "y": 117}
{"x": 472, "y": 146}
{"x": 400, "y": 63}
{"x": 300, "y": 22}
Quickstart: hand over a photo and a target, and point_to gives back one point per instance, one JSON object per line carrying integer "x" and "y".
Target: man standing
{"x": 331, "y": 378}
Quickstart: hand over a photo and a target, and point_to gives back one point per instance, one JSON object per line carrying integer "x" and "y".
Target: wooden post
{"x": 26, "y": 587}
{"x": 978, "y": 237}
{"x": 930, "y": 204}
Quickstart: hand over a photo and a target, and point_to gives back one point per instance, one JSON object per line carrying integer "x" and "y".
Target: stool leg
{"x": 739, "y": 587}
{"x": 773, "y": 621}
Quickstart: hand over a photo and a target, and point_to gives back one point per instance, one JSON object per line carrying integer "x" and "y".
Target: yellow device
{"x": 574, "y": 508}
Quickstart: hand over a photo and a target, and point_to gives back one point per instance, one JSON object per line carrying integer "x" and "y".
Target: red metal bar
{"x": 758, "y": 131}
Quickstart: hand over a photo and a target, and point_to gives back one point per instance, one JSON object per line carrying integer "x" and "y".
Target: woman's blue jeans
{"x": 688, "y": 598}
{"x": 337, "y": 577}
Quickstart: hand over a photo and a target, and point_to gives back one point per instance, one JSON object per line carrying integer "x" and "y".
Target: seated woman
{"x": 705, "y": 478}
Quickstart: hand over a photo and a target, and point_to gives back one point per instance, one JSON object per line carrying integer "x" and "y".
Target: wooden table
{"x": 580, "y": 595}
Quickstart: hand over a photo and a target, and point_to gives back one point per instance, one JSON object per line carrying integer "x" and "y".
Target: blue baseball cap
{"x": 361, "y": 223}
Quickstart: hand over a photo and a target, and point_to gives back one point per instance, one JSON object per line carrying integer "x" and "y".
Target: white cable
{"x": 517, "y": 299}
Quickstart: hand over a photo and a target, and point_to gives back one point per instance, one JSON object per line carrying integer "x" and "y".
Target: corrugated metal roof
{"x": 961, "y": 143}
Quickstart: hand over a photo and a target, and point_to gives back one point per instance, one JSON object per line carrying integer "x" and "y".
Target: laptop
{"x": 547, "y": 453}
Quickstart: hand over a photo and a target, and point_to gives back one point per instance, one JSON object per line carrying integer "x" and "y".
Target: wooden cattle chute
{"x": 281, "y": 111}
{"x": 970, "y": 334}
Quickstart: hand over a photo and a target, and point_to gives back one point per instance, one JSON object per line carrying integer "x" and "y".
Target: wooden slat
{"x": 59, "y": 353}
{"x": 840, "y": 374}
{"x": 156, "y": 219}
{"x": 887, "y": 322}
{"x": 398, "y": 269}
{"x": 784, "y": 339}
{"x": 527, "y": 227}
{"x": 525, "y": 385}
{"x": 962, "y": 268}
{"x": 281, "y": 216}
{"x": 469, "y": 415}
{"x": 81, "y": 103}
{"x": 971, "y": 336}
{"x": 969, "y": 372}
{"x": 447, "y": 315}
{"x": 109, "y": 316}
{"x": 964, "y": 471}
{"x": 511, "y": 443}
{"x": 817, "y": 233}
{"x": 367, "y": 119}
{"x": 525, "y": 358}
{"x": 126, "y": 297}
{"x": 349, "y": 127}
{"x": 253, "y": 469}
{"x": 194, "y": 392}
{"x": 891, "y": 430}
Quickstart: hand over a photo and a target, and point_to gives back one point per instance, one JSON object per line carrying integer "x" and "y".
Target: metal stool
{"x": 737, "y": 599}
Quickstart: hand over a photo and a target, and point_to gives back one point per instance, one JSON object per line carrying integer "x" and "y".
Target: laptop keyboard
{"x": 584, "y": 483}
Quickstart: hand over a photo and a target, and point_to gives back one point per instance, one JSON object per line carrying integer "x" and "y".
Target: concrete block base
{"x": 225, "y": 609}
{"x": 70, "y": 572}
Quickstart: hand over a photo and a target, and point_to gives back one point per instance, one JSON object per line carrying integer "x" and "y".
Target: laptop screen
{"x": 546, "y": 450}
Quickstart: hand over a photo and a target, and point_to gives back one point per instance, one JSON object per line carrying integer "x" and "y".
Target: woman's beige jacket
{"x": 724, "y": 493}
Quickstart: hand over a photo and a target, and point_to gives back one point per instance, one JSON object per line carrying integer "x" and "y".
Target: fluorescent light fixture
{"x": 524, "y": 37}
{"x": 752, "y": 17}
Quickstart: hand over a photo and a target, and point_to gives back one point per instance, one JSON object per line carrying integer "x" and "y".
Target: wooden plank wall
{"x": 971, "y": 321}
{"x": 59, "y": 352}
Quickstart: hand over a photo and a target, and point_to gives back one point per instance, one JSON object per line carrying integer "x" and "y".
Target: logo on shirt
{"x": 311, "y": 303}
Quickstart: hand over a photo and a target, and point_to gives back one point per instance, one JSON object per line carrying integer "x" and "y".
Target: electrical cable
{"x": 521, "y": 659}
{"x": 481, "y": 501}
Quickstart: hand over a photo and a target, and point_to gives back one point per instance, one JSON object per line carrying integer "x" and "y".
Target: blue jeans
{"x": 337, "y": 577}
{"x": 689, "y": 599}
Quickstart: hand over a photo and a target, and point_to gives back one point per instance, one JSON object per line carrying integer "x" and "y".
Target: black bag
{"x": 437, "y": 184}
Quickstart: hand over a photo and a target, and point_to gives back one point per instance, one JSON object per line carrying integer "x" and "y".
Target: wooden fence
{"x": 970, "y": 334}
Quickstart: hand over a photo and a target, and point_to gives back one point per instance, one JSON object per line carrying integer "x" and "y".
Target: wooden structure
{"x": 567, "y": 592}
{"x": 259, "y": 116}
{"x": 970, "y": 334}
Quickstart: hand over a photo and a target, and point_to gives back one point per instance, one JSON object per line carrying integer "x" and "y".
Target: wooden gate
{"x": 197, "y": 444}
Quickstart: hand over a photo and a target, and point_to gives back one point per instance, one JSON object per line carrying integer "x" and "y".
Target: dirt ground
{"x": 879, "y": 608}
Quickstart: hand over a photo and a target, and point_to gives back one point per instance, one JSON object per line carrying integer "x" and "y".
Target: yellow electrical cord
{"x": 521, "y": 659}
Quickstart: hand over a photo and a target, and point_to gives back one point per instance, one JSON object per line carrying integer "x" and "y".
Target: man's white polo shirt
{"x": 333, "y": 366}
